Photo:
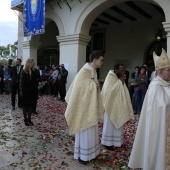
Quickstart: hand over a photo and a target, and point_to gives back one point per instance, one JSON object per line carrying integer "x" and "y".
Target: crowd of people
{"x": 87, "y": 105}
{"x": 25, "y": 83}
{"x": 115, "y": 104}
{"x": 139, "y": 82}
{"x": 54, "y": 81}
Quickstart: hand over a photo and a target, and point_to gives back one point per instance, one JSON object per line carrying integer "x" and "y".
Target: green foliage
{"x": 4, "y": 61}
{"x": 6, "y": 55}
{"x": 2, "y": 48}
{"x": 14, "y": 47}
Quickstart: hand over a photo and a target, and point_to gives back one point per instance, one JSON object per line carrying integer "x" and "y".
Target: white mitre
{"x": 162, "y": 61}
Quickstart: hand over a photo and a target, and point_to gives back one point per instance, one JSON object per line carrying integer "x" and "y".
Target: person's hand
{"x": 123, "y": 78}
{"x": 97, "y": 84}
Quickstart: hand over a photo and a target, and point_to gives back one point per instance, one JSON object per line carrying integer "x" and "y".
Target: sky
{"x": 8, "y": 24}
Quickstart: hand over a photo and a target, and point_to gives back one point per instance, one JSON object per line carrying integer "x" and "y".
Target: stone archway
{"x": 29, "y": 45}
{"x": 93, "y": 10}
{"x": 48, "y": 51}
{"x": 44, "y": 48}
{"x": 96, "y": 7}
{"x": 53, "y": 16}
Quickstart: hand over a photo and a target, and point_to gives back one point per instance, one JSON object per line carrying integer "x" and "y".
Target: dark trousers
{"x": 8, "y": 86}
{"x": 62, "y": 90}
{"x": 56, "y": 88}
{"x": 1, "y": 87}
{"x": 14, "y": 90}
{"x": 27, "y": 112}
{"x": 131, "y": 92}
{"x": 138, "y": 100}
{"x": 51, "y": 88}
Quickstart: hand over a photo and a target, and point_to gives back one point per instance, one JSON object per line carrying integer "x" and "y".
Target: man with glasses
{"x": 84, "y": 109}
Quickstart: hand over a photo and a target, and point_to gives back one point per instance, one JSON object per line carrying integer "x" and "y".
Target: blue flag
{"x": 34, "y": 17}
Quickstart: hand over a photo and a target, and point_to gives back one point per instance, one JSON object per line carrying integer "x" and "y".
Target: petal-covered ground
{"x": 47, "y": 145}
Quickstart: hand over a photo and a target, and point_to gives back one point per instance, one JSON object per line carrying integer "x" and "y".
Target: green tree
{"x": 4, "y": 61}
{"x": 8, "y": 52}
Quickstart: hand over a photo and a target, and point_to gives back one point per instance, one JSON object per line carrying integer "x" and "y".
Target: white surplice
{"x": 87, "y": 144}
{"x": 110, "y": 135}
{"x": 151, "y": 150}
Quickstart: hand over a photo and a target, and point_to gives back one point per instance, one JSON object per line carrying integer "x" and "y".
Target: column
{"x": 73, "y": 53}
{"x": 29, "y": 51}
{"x": 166, "y": 26}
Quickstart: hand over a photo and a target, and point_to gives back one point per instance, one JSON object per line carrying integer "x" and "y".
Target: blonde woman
{"x": 27, "y": 89}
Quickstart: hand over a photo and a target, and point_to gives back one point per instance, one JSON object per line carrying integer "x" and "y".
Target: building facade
{"x": 127, "y": 32}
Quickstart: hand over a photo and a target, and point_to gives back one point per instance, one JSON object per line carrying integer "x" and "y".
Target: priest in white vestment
{"x": 151, "y": 147}
{"x": 118, "y": 107}
{"x": 84, "y": 110}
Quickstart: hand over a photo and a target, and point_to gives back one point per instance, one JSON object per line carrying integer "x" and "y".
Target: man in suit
{"x": 62, "y": 80}
{"x": 15, "y": 74}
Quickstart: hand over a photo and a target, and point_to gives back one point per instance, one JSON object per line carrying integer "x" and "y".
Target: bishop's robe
{"x": 151, "y": 147}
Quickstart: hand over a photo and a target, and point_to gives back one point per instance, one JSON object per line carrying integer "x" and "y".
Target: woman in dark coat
{"x": 27, "y": 89}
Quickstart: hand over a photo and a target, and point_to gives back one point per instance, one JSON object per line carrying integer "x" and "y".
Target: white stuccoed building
{"x": 127, "y": 31}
